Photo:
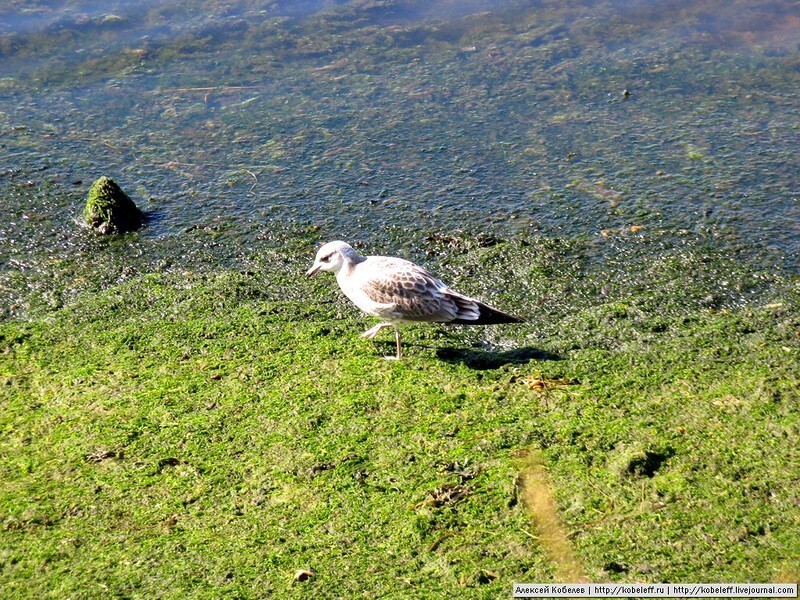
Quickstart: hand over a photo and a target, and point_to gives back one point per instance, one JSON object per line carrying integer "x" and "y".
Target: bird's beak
{"x": 312, "y": 270}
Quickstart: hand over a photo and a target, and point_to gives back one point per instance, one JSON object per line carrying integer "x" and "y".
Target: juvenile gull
{"x": 398, "y": 291}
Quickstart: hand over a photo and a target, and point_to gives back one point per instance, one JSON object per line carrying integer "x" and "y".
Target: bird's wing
{"x": 409, "y": 292}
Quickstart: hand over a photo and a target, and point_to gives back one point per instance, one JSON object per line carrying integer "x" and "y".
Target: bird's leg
{"x": 397, "y": 335}
{"x": 371, "y": 333}
{"x": 399, "y": 354}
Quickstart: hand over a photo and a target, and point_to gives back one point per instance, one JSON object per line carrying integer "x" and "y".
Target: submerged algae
{"x": 353, "y": 116}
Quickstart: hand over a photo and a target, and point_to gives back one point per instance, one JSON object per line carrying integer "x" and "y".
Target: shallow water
{"x": 233, "y": 123}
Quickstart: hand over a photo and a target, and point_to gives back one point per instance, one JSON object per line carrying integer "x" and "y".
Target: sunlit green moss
{"x": 187, "y": 435}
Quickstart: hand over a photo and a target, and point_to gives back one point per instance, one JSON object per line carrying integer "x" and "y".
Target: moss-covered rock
{"x": 109, "y": 210}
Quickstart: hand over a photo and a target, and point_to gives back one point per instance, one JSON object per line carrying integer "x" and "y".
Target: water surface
{"x": 233, "y": 123}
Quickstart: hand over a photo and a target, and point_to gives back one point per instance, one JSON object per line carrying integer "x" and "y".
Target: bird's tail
{"x": 486, "y": 315}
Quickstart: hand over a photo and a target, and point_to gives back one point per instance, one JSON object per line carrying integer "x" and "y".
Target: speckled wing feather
{"x": 412, "y": 292}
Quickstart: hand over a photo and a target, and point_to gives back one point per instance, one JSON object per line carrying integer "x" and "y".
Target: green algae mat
{"x": 228, "y": 434}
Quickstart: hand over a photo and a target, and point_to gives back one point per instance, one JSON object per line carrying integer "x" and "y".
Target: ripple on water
{"x": 387, "y": 121}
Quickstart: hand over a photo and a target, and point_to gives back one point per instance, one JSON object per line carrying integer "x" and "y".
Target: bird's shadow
{"x": 482, "y": 360}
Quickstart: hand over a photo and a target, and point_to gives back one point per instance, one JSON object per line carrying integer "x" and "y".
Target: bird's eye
{"x": 326, "y": 258}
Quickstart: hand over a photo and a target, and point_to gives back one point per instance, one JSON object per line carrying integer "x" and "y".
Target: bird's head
{"x": 332, "y": 257}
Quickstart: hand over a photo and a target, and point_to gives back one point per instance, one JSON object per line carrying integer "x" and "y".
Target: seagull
{"x": 398, "y": 291}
